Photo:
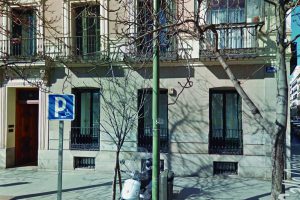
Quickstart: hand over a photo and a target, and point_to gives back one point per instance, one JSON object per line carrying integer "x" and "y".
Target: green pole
{"x": 60, "y": 159}
{"x": 155, "y": 103}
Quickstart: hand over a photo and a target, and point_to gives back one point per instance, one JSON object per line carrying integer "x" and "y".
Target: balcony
{"x": 145, "y": 139}
{"x": 86, "y": 49}
{"x": 234, "y": 41}
{"x": 85, "y": 139}
{"x": 227, "y": 141}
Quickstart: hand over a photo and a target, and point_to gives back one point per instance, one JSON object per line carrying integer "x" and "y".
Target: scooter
{"x": 139, "y": 185}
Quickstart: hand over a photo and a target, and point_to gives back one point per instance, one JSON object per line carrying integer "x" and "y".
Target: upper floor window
{"x": 145, "y": 18}
{"x": 23, "y": 32}
{"x": 226, "y": 11}
{"x": 86, "y": 29}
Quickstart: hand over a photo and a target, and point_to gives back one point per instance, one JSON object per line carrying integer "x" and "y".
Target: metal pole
{"x": 60, "y": 159}
{"x": 155, "y": 103}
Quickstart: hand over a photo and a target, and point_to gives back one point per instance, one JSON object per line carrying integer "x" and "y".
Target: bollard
{"x": 166, "y": 185}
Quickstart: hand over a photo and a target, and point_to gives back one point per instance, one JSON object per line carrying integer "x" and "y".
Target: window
{"x": 225, "y": 123}
{"x": 23, "y": 32}
{"x": 145, "y": 26}
{"x": 226, "y": 11}
{"x": 225, "y": 168}
{"x": 145, "y": 119}
{"x": 85, "y": 130}
{"x": 86, "y": 29}
{"x": 84, "y": 162}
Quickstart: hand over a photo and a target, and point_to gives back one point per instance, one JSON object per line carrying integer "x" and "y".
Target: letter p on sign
{"x": 61, "y": 107}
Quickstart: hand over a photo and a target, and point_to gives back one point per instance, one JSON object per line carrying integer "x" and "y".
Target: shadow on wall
{"x": 242, "y": 71}
{"x": 86, "y": 72}
{"x": 168, "y": 72}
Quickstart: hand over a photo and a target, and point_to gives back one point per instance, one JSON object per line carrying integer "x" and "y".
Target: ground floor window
{"x": 145, "y": 119}
{"x": 225, "y": 135}
{"x": 85, "y": 130}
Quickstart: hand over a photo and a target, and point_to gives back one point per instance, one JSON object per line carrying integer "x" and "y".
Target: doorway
{"x": 26, "y": 139}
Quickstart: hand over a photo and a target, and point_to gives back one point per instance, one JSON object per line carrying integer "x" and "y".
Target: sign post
{"x": 61, "y": 107}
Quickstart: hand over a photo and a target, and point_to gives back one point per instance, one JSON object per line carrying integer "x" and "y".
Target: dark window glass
{"x": 145, "y": 26}
{"x": 87, "y": 29}
{"x": 23, "y": 32}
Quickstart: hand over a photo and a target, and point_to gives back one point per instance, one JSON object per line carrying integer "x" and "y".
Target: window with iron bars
{"x": 85, "y": 130}
{"x": 145, "y": 120}
{"x": 225, "y": 114}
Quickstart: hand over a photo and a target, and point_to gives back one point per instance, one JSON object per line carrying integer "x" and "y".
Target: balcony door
{"x": 144, "y": 15}
{"x": 23, "y": 32}
{"x": 87, "y": 30}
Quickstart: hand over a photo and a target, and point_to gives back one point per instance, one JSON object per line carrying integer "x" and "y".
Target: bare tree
{"x": 119, "y": 111}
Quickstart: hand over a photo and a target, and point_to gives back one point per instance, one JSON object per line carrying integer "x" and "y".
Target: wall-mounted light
{"x": 172, "y": 92}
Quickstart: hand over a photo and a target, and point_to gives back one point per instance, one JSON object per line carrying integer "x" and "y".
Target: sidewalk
{"x": 28, "y": 183}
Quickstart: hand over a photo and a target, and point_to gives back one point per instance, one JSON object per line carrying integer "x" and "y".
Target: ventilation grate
{"x": 84, "y": 162}
{"x": 226, "y": 168}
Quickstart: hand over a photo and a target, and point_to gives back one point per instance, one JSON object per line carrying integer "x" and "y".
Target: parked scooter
{"x": 138, "y": 186}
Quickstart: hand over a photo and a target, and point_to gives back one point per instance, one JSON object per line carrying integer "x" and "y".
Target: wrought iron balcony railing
{"x": 76, "y": 48}
{"x": 85, "y": 138}
{"x": 234, "y": 40}
{"x": 20, "y": 48}
{"x": 143, "y": 50}
{"x": 145, "y": 139}
{"x": 228, "y": 141}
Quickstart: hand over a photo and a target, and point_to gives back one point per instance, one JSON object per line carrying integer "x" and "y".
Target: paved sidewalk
{"x": 28, "y": 183}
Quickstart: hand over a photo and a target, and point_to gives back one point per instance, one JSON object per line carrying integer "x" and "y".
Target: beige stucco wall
{"x": 11, "y": 118}
{"x": 188, "y": 118}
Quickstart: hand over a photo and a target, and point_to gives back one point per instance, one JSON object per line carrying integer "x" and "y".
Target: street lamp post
{"x": 155, "y": 103}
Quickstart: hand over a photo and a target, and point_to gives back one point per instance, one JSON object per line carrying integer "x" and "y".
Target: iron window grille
{"x": 84, "y": 162}
{"x": 225, "y": 168}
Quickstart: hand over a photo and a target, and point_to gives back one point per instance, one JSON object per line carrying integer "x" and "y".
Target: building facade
{"x": 101, "y": 52}
{"x": 295, "y": 63}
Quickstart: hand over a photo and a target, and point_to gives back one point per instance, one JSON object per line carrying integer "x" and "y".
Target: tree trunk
{"x": 278, "y": 151}
{"x": 120, "y": 178}
{"x": 116, "y": 172}
{"x": 278, "y": 159}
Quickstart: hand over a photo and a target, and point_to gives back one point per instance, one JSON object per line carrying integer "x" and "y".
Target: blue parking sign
{"x": 61, "y": 107}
